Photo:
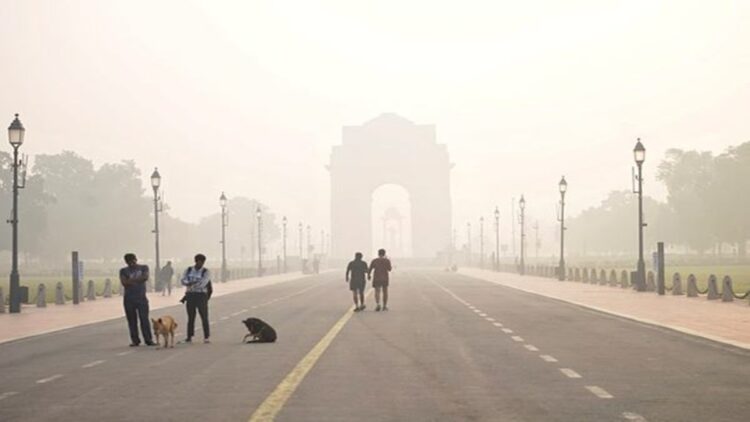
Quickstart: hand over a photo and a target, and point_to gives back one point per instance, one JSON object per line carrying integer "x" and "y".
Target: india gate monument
{"x": 390, "y": 149}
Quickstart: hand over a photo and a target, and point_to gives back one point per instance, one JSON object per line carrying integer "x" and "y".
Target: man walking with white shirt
{"x": 197, "y": 282}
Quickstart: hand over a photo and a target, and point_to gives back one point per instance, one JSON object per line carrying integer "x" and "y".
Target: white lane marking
{"x": 210, "y": 323}
{"x": 92, "y": 364}
{"x": 599, "y": 392}
{"x": 482, "y": 314}
{"x": 507, "y": 331}
{"x": 531, "y": 348}
{"x": 224, "y": 318}
{"x": 7, "y": 394}
{"x": 570, "y": 373}
{"x": 49, "y": 379}
{"x": 517, "y": 338}
{"x": 490, "y": 319}
{"x": 125, "y": 353}
{"x": 236, "y": 313}
{"x": 548, "y": 358}
{"x": 630, "y": 416}
{"x": 477, "y": 311}
{"x": 243, "y": 311}
{"x": 497, "y": 324}
{"x": 253, "y": 307}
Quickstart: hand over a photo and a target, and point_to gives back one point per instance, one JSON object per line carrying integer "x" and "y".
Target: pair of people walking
{"x": 377, "y": 271}
{"x": 198, "y": 290}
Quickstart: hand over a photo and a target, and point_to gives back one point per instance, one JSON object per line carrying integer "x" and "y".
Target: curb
{"x": 717, "y": 339}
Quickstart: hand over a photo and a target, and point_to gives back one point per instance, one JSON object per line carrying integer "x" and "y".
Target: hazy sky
{"x": 249, "y": 96}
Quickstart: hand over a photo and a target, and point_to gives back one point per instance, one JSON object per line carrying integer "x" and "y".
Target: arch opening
{"x": 391, "y": 223}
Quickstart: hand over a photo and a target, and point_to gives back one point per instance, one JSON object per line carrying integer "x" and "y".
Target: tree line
{"x": 69, "y": 204}
{"x": 706, "y": 209}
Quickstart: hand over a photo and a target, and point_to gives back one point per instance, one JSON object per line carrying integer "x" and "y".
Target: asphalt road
{"x": 451, "y": 348}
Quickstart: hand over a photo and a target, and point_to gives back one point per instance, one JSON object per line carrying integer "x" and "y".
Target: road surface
{"x": 451, "y": 348}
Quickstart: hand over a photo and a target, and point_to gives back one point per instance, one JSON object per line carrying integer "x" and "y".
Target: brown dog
{"x": 165, "y": 326}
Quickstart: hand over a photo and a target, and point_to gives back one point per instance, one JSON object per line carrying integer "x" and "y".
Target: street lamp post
{"x": 497, "y": 239}
{"x": 639, "y": 153}
{"x": 468, "y": 242}
{"x": 563, "y": 185}
{"x": 481, "y": 242}
{"x": 259, "y": 216}
{"x": 16, "y": 133}
{"x": 283, "y": 234}
{"x": 224, "y": 224}
{"x": 309, "y": 241}
{"x": 155, "y": 183}
{"x": 522, "y": 205}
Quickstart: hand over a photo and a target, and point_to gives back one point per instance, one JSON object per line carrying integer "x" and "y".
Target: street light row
{"x": 639, "y": 154}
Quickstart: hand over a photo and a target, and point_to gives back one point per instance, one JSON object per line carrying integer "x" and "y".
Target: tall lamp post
{"x": 15, "y": 137}
{"x": 283, "y": 234}
{"x": 563, "y": 185}
{"x": 309, "y": 241}
{"x": 522, "y": 206}
{"x": 224, "y": 223}
{"x": 155, "y": 183}
{"x": 481, "y": 242}
{"x": 639, "y": 153}
{"x": 497, "y": 239}
{"x": 468, "y": 242}
{"x": 259, "y": 216}
{"x": 301, "y": 257}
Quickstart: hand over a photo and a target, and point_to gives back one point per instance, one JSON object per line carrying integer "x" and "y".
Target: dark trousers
{"x": 197, "y": 301}
{"x": 135, "y": 310}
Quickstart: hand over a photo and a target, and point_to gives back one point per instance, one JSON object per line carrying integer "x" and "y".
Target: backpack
{"x": 209, "y": 286}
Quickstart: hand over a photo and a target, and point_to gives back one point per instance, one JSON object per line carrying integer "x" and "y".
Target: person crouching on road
{"x": 133, "y": 279}
{"x": 197, "y": 282}
{"x": 357, "y": 269}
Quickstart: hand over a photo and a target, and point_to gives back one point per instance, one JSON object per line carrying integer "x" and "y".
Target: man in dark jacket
{"x": 358, "y": 270}
{"x": 133, "y": 279}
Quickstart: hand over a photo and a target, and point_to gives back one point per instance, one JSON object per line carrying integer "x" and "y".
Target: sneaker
{"x": 377, "y": 308}
{"x": 135, "y": 344}
{"x": 357, "y": 309}
{"x": 150, "y": 343}
{"x": 385, "y": 308}
{"x": 187, "y": 340}
{"x": 362, "y": 308}
{"x": 206, "y": 341}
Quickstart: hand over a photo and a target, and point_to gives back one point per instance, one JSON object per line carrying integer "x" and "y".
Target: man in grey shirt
{"x": 197, "y": 282}
{"x": 133, "y": 279}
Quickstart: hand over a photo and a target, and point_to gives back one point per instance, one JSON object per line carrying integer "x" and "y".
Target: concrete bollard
{"x": 592, "y": 277}
{"x": 107, "y": 288}
{"x": 59, "y": 293}
{"x": 603, "y": 277}
{"x": 613, "y": 278}
{"x": 91, "y": 291}
{"x": 650, "y": 282}
{"x": 676, "y": 285}
{"x": 41, "y": 296}
{"x": 2, "y": 301}
{"x": 713, "y": 288}
{"x": 571, "y": 275}
{"x": 577, "y": 275}
{"x": 585, "y": 275}
{"x": 727, "y": 293}
{"x": 624, "y": 282}
{"x": 692, "y": 286}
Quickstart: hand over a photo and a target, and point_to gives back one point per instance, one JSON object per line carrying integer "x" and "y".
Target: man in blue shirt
{"x": 133, "y": 279}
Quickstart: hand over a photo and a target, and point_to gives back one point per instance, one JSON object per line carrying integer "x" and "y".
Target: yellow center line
{"x": 275, "y": 401}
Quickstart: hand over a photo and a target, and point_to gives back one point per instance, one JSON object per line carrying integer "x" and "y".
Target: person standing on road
{"x": 165, "y": 275}
{"x": 133, "y": 279}
{"x": 381, "y": 266}
{"x": 358, "y": 270}
{"x": 197, "y": 281}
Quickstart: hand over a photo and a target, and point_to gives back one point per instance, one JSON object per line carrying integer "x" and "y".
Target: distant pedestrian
{"x": 197, "y": 281}
{"x": 355, "y": 275}
{"x": 381, "y": 266}
{"x": 165, "y": 277}
{"x": 133, "y": 279}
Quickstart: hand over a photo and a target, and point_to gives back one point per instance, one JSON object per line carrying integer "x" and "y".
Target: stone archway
{"x": 390, "y": 149}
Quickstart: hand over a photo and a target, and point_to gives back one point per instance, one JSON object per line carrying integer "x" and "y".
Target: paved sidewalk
{"x": 34, "y": 321}
{"x": 727, "y": 323}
